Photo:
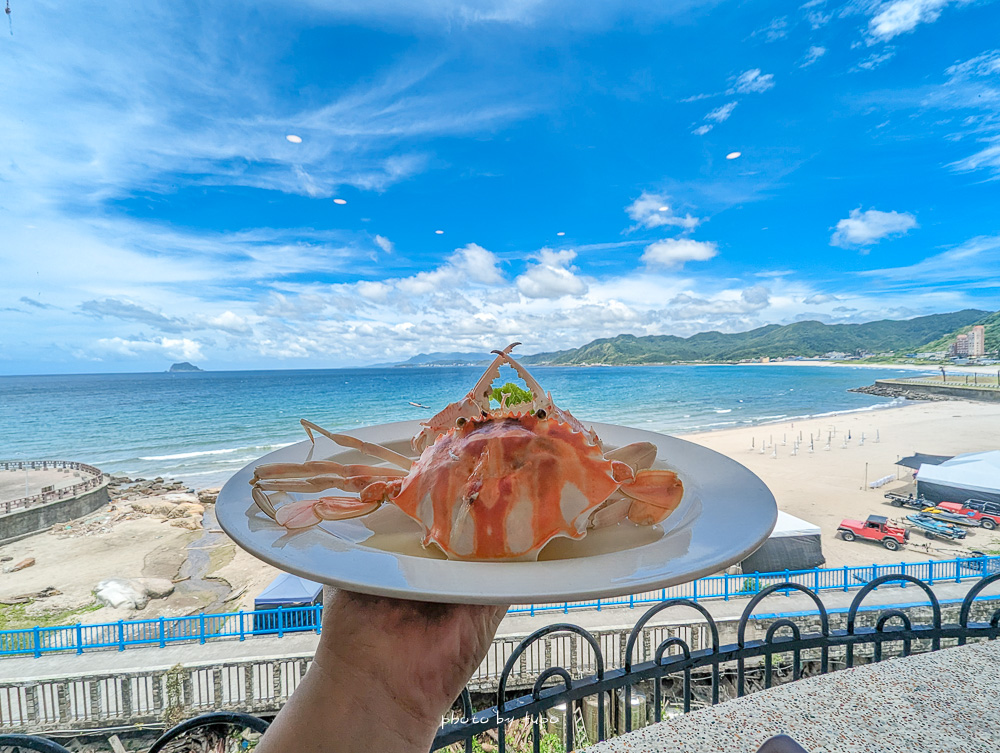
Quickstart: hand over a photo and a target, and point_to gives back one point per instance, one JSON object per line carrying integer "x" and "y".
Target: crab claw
{"x": 655, "y": 495}
{"x": 473, "y": 405}
{"x": 309, "y": 512}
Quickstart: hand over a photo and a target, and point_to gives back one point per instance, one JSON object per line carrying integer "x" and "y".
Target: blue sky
{"x": 153, "y": 207}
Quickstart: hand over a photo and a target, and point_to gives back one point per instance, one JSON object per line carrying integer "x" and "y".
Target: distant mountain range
{"x": 441, "y": 359}
{"x": 805, "y": 339}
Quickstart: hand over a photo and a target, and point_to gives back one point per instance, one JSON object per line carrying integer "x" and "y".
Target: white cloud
{"x": 654, "y": 210}
{"x": 777, "y": 29}
{"x": 981, "y": 66}
{"x": 165, "y": 347}
{"x": 752, "y": 82}
{"x": 384, "y": 243}
{"x": 975, "y": 263}
{"x": 675, "y": 252}
{"x": 229, "y": 322}
{"x": 471, "y": 263}
{"x": 552, "y": 277}
{"x": 876, "y": 59}
{"x": 988, "y": 157}
{"x": 731, "y": 307}
{"x": 721, "y": 114}
{"x": 871, "y": 226}
{"x": 812, "y": 55}
{"x": 902, "y": 16}
{"x": 817, "y": 298}
{"x": 130, "y": 311}
{"x": 701, "y": 130}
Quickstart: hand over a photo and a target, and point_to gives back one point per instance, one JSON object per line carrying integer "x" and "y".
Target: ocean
{"x": 202, "y": 427}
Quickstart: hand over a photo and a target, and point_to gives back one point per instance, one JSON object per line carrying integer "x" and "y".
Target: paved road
{"x": 519, "y": 625}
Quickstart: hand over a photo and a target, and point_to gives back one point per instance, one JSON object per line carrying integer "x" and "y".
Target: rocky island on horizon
{"x": 183, "y": 366}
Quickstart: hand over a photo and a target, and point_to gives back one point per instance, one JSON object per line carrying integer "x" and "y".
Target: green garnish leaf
{"x": 515, "y": 394}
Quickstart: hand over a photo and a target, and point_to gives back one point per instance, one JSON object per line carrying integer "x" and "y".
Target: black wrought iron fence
{"x": 570, "y": 712}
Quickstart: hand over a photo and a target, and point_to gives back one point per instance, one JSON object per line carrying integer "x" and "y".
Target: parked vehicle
{"x": 987, "y": 513}
{"x": 907, "y": 500}
{"x": 936, "y": 528}
{"x": 876, "y": 528}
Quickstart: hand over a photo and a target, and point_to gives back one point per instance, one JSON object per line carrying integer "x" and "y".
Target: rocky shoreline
{"x": 881, "y": 390}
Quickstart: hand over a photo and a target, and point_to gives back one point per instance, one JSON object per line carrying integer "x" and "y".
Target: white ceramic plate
{"x": 725, "y": 514}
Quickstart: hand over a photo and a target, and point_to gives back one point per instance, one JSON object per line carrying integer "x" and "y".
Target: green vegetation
{"x": 515, "y": 395}
{"x": 991, "y": 325}
{"x": 548, "y": 743}
{"x": 16, "y": 616}
{"x": 806, "y": 339}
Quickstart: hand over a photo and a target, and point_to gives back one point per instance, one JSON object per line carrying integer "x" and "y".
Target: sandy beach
{"x": 982, "y": 369}
{"x": 822, "y": 487}
{"x": 827, "y": 485}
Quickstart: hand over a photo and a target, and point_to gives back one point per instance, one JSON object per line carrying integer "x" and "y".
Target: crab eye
{"x": 540, "y": 413}
{"x": 461, "y": 421}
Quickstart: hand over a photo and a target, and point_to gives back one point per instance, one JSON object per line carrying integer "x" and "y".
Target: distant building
{"x": 960, "y": 348}
{"x": 977, "y": 345}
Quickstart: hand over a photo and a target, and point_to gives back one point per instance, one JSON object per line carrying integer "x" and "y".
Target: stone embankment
{"x": 886, "y": 390}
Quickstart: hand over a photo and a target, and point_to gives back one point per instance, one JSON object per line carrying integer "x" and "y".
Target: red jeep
{"x": 987, "y": 513}
{"x": 876, "y": 528}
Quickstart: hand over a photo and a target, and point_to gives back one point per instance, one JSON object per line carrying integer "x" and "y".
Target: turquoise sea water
{"x": 201, "y": 427}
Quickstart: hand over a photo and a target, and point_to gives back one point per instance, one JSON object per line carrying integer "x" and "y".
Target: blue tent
{"x": 290, "y": 594}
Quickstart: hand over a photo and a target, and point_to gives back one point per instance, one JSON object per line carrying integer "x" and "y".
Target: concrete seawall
{"x": 20, "y": 523}
{"x": 899, "y": 388}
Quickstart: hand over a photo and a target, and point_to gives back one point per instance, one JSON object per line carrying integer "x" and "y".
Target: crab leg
{"x": 264, "y": 503}
{"x": 612, "y": 512}
{"x": 318, "y": 467}
{"x": 638, "y": 455}
{"x": 655, "y": 495}
{"x": 309, "y": 512}
{"x": 368, "y": 448}
{"x": 316, "y": 483}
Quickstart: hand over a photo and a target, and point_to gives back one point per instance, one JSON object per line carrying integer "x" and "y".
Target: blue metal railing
{"x": 161, "y": 631}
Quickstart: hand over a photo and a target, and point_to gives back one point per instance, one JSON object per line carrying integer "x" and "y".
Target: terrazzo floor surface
{"x": 946, "y": 700}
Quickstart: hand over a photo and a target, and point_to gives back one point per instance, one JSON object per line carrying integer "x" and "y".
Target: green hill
{"x": 991, "y": 323}
{"x": 809, "y": 338}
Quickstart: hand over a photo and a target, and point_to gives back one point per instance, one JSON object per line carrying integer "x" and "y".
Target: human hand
{"x": 420, "y": 654}
{"x": 384, "y": 674}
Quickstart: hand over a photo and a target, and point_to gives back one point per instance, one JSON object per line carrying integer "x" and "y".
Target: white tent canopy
{"x": 794, "y": 544}
{"x": 973, "y": 471}
{"x": 789, "y": 525}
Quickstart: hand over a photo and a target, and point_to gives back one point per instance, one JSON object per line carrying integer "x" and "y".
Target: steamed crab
{"x": 489, "y": 483}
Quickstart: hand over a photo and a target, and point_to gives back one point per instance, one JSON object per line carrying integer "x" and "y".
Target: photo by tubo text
{"x": 549, "y": 719}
